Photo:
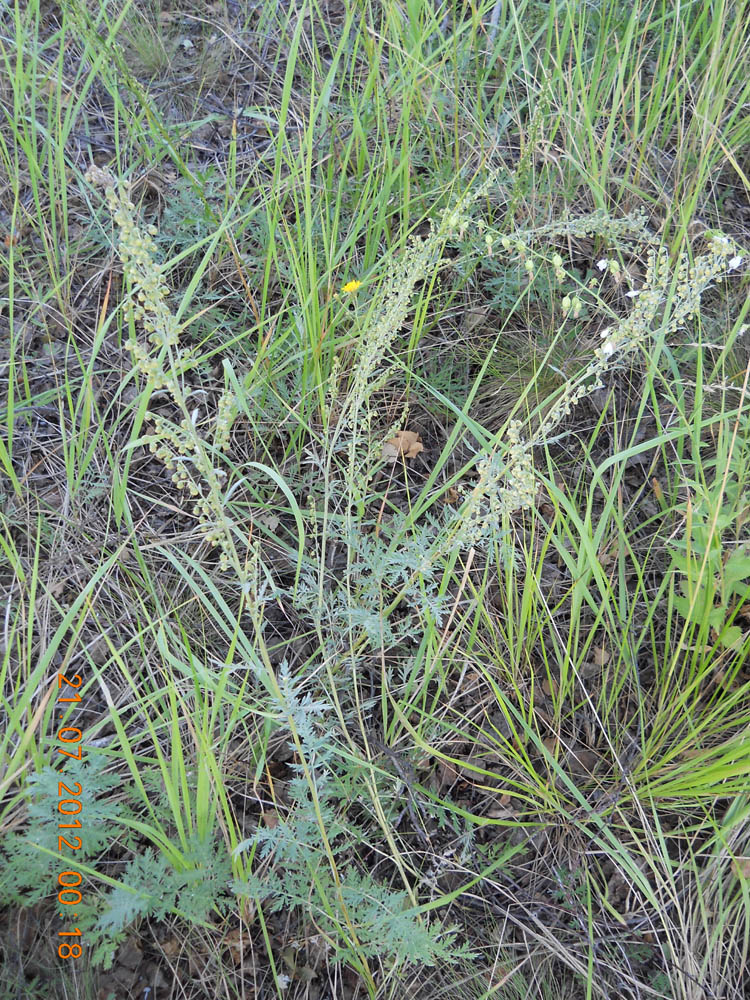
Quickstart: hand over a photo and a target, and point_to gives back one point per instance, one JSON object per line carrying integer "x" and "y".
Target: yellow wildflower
{"x": 351, "y": 286}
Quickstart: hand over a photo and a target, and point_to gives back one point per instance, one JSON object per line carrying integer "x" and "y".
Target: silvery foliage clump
{"x": 294, "y": 871}
{"x": 378, "y": 570}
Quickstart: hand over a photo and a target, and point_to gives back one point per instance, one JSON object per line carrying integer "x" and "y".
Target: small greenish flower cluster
{"x": 641, "y": 322}
{"x": 226, "y": 413}
{"x": 184, "y": 452}
{"x": 693, "y": 279}
{"x": 572, "y": 305}
{"x": 637, "y": 325}
{"x": 631, "y": 227}
{"x": 506, "y": 484}
{"x": 557, "y": 263}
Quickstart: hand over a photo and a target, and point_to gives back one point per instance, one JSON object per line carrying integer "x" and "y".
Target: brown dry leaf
{"x": 171, "y": 947}
{"x": 602, "y": 656}
{"x": 406, "y": 443}
{"x": 607, "y": 554}
{"x": 474, "y": 317}
{"x": 498, "y": 976}
{"x": 588, "y": 669}
{"x": 502, "y": 809}
{"x": 130, "y": 955}
{"x": 741, "y": 867}
{"x": 446, "y": 775}
{"x": 582, "y": 762}
{"x": 451, "y": 495}
{"x": 270, "y": 818}
{"x": 235, "y": 943}
{"x": 57, "y": 589}
{"x": 270, "y": 521}
{"x": 543, "y": 717}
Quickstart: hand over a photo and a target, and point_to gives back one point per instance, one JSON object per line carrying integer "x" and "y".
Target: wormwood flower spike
{"x": 506, "y": 481}
{"x": 388, "y": 320}
{"x": 184, "y": 452}
{"x": 381, "y": 326}
{"x": 646, "y": 316}
{"x": 506, "y": 484}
